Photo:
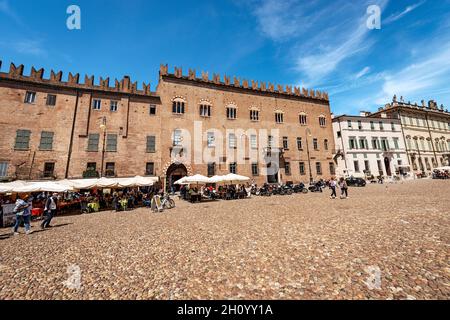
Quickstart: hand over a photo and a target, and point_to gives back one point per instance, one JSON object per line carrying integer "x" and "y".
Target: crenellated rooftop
{"x": 236, "y": 82}
{"x": 125, "y": 85}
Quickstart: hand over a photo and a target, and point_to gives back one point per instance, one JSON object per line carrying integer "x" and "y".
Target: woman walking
{"x": 344, "y": 188}
{"x": 23, "y": 213}
{"x": 333, "y": 188}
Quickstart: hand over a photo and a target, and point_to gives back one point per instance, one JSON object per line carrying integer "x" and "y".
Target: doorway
{"x": 174, "y": 173}
{"x": 387, "y": 165}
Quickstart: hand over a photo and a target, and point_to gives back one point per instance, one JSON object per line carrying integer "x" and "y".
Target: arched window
{"x": 254, "y": 114}
{"x": 279, "y": 117}
{"x": 178, "y": 106}
{"x": 325, "y": 144}
{"x": 303, "y": 119}
{"x": 231, "y": 112}
{"x": 322, "y": 121}
{"x": 205, "y": 110}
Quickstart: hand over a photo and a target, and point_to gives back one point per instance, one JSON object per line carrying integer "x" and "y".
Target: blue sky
{"x": 318, "y": 44}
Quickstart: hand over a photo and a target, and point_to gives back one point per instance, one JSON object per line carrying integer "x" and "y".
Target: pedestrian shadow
{"x": 5, "y": 236}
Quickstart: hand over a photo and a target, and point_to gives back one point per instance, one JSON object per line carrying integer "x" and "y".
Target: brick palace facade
{"x": 55, "y": 129}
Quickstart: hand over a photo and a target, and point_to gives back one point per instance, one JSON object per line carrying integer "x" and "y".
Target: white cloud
{"x": 362, "y": 73}
{"x": 26, "y": 46}
{"x": 428, "y": 76}
{"x": 400, "y": 15}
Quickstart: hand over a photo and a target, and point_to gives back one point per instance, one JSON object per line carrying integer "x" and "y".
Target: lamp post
{"x": 103, "y": 127}
{"x": 308, "y": 134}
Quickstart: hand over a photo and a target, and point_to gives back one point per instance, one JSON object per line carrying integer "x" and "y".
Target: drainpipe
{"x": 71, "y": 136}
{"x": 343, "y": 148}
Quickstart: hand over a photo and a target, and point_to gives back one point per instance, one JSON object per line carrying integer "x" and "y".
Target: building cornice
{"x": 248, "y": 87}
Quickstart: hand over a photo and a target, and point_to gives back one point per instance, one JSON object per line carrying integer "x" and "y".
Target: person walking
{"x": 23, "y": 213}
{"x": 344, "y": 188}
{"x": 333, "y": 188}
{"x": 51, "y": 206}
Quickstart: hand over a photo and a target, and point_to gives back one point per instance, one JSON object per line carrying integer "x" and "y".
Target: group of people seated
{"x": 229, "y": 192}
{"x": 438, "y": 174}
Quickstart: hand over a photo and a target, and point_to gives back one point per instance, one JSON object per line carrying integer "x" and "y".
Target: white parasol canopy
{"x": 198, "y": 179}
{"x": 10, "y": 186}
{"x": 235, "y": 178}
{"x": 43, "y": 186}
{"x": 182, "y": 181}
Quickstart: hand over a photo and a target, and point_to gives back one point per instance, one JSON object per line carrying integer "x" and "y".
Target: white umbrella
{"x": 9, "y": 187}
{"x": 198, "y": 179}
{"x": 235, "y": 178}
{"x": 217, "y": 179}
{"x": 182, "y": 181}
{"x": 44, "y": 186}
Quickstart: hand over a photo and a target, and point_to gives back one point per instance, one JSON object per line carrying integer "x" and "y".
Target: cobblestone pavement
{"x": 385, "y": 242}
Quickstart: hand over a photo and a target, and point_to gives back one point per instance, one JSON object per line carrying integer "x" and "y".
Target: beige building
{"x": 426, "y": 132}
{"x": 56, "y": 129}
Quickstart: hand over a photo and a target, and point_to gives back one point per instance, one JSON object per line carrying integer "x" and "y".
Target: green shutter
{"x": 111, "y": 143}
{"x": 46, "y": 140}
{"x": 22, "y": 140}
{"x": 151, "y": 144}
{"x": 93, "y": 142}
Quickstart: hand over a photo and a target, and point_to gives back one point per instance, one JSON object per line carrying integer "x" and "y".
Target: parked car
{"x": 356, "y": 182}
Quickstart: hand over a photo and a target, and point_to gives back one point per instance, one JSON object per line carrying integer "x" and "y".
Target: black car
{"x": 356, "y": 182}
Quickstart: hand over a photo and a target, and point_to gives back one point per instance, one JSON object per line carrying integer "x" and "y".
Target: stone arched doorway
{"x": 175, "y": 172}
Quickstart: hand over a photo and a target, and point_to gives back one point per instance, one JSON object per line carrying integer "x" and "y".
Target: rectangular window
{"x": 111, "y": 143}
{"x": 30, "y": 97}
{"x": 150, "y": 169}
{"x": 322, "y": 121}
{"x": 349, "y": 124}
{"x": 233, "y": 167}
{"x": 285, "y": 143}
{"x": 356, "y": 164}
{"x": 177, "y": 138}
{"x": 49, "y": 170}
{"x": 374, "y": 144}
{"x": 332, "y": 169}
{"x": 372, "y": 125}
{"x": 3, "y": 169}
{"x": 380, "y": 166}
{"x": 315, "y": 144}
{"x": 91, "y": 166}
{"x": 287, "y": 168}
{"x": 367, "y": 166}
{"x": 254, "y": 115}
{"x": 232, "y": 141}
{"x": 110, "y": 169}
{"x": 319, "y": 168}
{"x": 381, "y": 126}
{"x": 359, "y": 125}
{"x": 96, "y": 104}
{"x": 113, "y": 106}
{"x": 51, "y": 100}
{"x": 46, "y": 141}
{"x": 270, "y": 143}
{"x": 211, "y": 141}
{"x": 299, "y": 144}
{"x": 93, "y": 141}
{"x": 384, "y": 145}
{"x": 152, "y": 110}
{"x": 151, "y": 144}
{"x": 303, "y": 119}
{"x": 302, "y": 168}
{"x": 352, "y": 143}
{"x": 255, "y": 169}
{"x": 22, "y": 140}
{"x": 393, "y": 125}
{"x": 231, "y": 113}
{"x": 325, "y": 144}
{"x": 396, "y": 146}
{"x": 253, "y": 142}
{"x": 211, "y": 169}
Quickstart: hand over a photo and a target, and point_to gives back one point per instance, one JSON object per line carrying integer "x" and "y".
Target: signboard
{"x": 9, "y": 217}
